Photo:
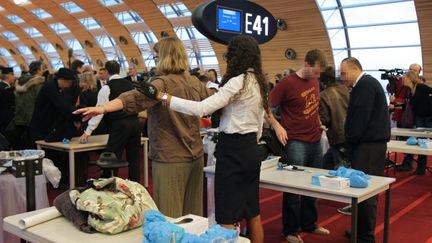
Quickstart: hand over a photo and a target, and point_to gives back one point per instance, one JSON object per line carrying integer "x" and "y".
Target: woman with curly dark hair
{"x": 243, "y": 101}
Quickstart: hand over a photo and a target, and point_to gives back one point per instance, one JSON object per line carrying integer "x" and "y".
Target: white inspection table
{"x": 300, "y": 182}
{"x": 95, "y": 142}
{"x": 62, "y": 230}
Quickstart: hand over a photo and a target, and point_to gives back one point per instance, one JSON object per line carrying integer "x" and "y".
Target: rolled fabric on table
{"x": 44, "y": 216}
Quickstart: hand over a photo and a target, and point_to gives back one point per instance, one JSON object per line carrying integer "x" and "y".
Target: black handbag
{"x": 273, "y": 145}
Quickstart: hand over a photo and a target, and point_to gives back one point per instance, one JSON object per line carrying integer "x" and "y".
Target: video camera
{"x": 392, "y": 76}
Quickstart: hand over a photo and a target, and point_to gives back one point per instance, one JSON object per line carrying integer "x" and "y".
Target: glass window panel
{"x": 40, "y": 13}
{"x": 14, "y": 19}
{"x": 385, "y": 13}
{"x": 111, "y": 56}
{"x": 338, "y": 57}
{"x": 90, "y": 23}
{"x": 48, "y": 47}
{"x": 32, "y": 32}
{"x": 332, "y": 18}
{"x": 197, "y": 34}
{"x": 74, "y": 44}
{"x": 387, "y": 35}
{"x": 337, "y": 38}
{"x": 326, "y": 3}
{"x": 59, "y": 28}
{"x": 150, "y": 63}
{"x": 193, "y": 62}
{"x": 110, "y": 2}
{"x": 56, "y": 63}
{"x": 10, "y": 36}
{"x": 174, "y": 10}
{"x": 167, "y": 11}
{"x": 153, "y": 36}
{"x": 361, "y": 2}
{"x": 15, "y": 66}
{"x": 182, "y": 33}
{"x": 207, "y": 53}
{"x": 209, "y": 61}
{"x": 388, "y": 58}
{"x": 24, "y": 50}
{"x": 71, "y": 7}
{"x": 4, "y": 52}
{"x": 181, "y": 9}
{"x": 128, "y": 17}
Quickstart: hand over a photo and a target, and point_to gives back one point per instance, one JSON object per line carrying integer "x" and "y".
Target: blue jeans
{"x": 422, "y": 159}
{"x": 300, "y": 212}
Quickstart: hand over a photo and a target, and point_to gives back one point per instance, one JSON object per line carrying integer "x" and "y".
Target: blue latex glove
{"x": 423, "y": 143}
{"x": 412, "y": 141}
{"x": 357, "y": 178}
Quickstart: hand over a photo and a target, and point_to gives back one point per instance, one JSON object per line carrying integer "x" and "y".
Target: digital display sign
{"x": 221, "y": 20}
{"x": 228, "y": 20}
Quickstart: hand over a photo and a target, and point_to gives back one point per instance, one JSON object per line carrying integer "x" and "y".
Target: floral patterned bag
{"x": 114, "y": 205}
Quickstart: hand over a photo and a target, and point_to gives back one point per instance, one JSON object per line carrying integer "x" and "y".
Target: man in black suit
{"x": 133, "y": 75}
{"x": 367, "y": 131}
{"x": 102, "y": 78}
{"x": 7, "y": 98}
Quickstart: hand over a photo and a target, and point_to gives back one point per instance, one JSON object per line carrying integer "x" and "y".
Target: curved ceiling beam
{"x": 152, "y": 16}
{"x": 3, "y": 62}
{"x": 33, "y": 46}
{"x": 41, "y": 26}
{"x": 115, "y": 29}
{"x": 424, "y": 11}
{"x": 87, "y": 40}
{"x": 19, "y": 59}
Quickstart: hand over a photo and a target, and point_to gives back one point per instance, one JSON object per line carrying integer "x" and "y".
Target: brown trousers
{"x": 178, "y": 187}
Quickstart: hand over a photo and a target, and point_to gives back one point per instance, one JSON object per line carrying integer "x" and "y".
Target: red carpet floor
{"x": 410, "y": 212}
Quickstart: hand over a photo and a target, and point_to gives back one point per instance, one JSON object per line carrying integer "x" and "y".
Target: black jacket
{"x": 7, "y": 104}
{"x": 368, "y": 118}
{"x": 53, "y": 110}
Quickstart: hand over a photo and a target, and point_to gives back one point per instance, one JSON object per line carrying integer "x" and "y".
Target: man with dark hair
{"x": 297, "y": 95}
{"x": 102, "y": 78}
{"x": 367, "y": 131}
{"x": 333, "y": 106}
{"x": 124, "y": 129}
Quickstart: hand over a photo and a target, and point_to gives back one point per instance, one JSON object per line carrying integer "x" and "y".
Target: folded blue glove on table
{"x": 358, "y": 179}
{"x": 411, "y": 141}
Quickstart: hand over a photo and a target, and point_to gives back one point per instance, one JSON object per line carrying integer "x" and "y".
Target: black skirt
{"x": 237, "y": 178}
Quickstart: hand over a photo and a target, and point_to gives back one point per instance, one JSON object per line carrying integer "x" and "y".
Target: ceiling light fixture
{"x": 19, "y": 2}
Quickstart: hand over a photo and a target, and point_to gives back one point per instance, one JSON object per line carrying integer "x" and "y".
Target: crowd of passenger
{"x": 168, "y": 102}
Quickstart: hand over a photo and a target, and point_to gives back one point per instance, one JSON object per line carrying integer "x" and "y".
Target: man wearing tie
{"x": 102, "y": 78}
{"x": 132, "y": 75}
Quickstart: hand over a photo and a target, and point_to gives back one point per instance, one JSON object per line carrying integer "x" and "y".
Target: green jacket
{"x": 25, "y": 98}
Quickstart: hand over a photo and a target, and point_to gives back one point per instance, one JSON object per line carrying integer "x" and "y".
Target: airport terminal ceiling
{"x": 393, "y": 34}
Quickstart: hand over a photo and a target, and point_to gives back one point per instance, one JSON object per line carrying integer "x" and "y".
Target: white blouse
{"x": 241, "y": 114}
